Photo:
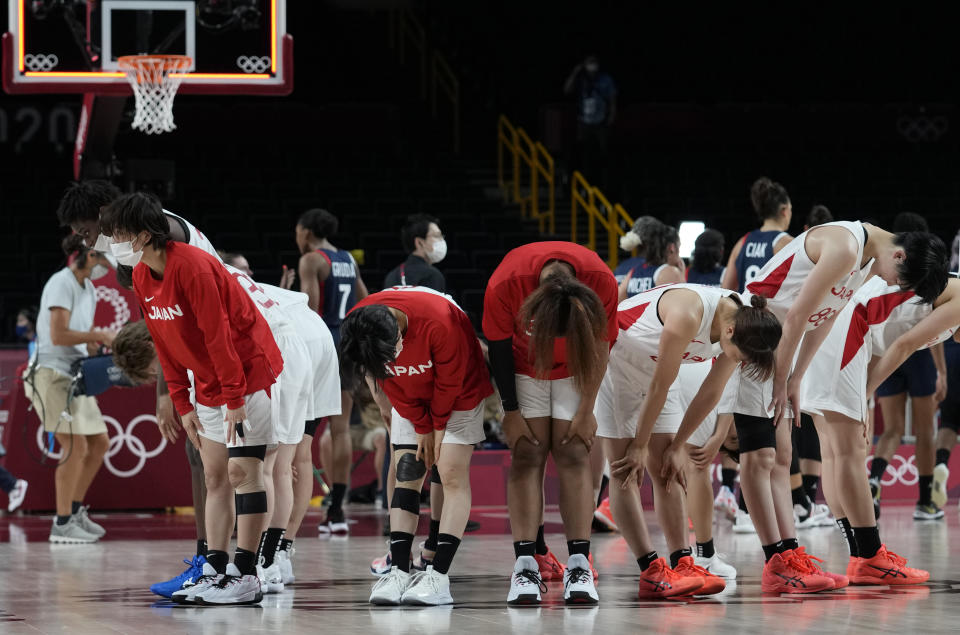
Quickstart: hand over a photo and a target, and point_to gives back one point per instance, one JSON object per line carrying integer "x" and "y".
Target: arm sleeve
{"x": 204, "y": 295}
{"x": 606, "y": 287}
{"x": 501, "y": 359}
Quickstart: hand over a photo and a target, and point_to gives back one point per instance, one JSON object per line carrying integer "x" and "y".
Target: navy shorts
{"x": 917, "y": 376}
{"x": 950, "y": 407}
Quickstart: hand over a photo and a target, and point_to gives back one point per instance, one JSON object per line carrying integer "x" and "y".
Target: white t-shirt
{"x": 62, "y": 290}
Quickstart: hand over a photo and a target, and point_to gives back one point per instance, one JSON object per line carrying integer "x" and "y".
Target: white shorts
{"x": 293, "y": 391}
{"x": 826, "y": 387}
{"x": 621, "y": 396}
{"x": 259, "y": 429}
{"x": 555, "y": 398}
{"x": 325, "y": 389}
{"x": 465, "y": 427}
{"x": 748, "y": 396}
{"x": 691, "y": 378}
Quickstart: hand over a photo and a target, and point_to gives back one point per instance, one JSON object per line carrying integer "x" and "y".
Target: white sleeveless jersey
{"x": 195, "y": 237}
{"x": 781, "y": 279}
{"x": 269, "y": 308}
{"x": 640, "y": 327}
{"x": 899, "y": 311}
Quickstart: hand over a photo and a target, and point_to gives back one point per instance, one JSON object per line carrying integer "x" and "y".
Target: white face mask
{"x": 98, "y": 271}
{"x": 125, "y": 254}
{"x": 103, "y": 244}
{"x": 439, "y": 251}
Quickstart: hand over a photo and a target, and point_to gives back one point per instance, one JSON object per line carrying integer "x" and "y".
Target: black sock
{"x": 878, "y": 467}
{"x": 579, "y": 546}
{"x": 742, "y": 503}
{"x": 400, "y": 544}
{"x": 75, "y": 506}
{"x": 679, "y": 553}
{"x": 728, "y": 477}
{"x": 705, "y": 549}
{"x": 604, "y": 481}
{"x": 201, "y": 547}
{"x": 218, "y": 560}
{"x": 943, "y": 456}
{"x": 541, "y": 542}
{"x": 647, "y": 560}
{"x": 868, "y": 541}
{"x": 524, "y": 548}
{"x": 844, "y": 525}
{"x": 770, "y": 550}
{"x": 446, "y": 549}
{"x": 431, "y": 543}
{"x": 925, "y": 484}
{"x": 789, "y": 543}
{"x": 62, "y": 520}
{"x": 246, "y": 561}
{"x": 269, "y": 542}
{"x": 800, "y": 497}
{"x": 337, "y": 494}
{"x": 810, "y": 485}
{"x": 285, "y": 545}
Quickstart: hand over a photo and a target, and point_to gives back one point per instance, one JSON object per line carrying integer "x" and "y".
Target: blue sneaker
{"x": 188, "y": 577}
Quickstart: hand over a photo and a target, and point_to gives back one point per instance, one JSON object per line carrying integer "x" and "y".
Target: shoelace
{"x": 691, "y": 568}
{"x": 526, "y": 576}
{"x": 578, "y": 575}
{"x": 900, "y": 561}
{"x": 809, "y": 560}
{"x": 801, "y": 563}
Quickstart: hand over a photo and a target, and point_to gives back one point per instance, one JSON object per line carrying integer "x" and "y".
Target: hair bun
{"x": 630, "y": 240}
{"x": 758, "y": 302}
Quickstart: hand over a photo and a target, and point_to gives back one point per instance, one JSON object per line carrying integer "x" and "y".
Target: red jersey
{"x": 519, "y": 275}
{"x": 202, "y": 320}
{"x": 441, "y": 367}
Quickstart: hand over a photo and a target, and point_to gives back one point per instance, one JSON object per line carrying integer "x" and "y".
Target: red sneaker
{"x": 786, "y": 573}
{"x": 596, "y": 576}
{"x": 605, "y": 516}
{"x": 839, "y": 580}
{"x": 660, "y": 581}
{"x": 886, "y": 568}
{"x": 550, "y": 568}
{"x": 852, "y": 568}
{"x": 711, "y": 583}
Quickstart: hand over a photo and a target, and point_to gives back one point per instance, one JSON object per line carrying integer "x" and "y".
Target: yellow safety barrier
{"x": 443, "y": 78}
{"x": 406, "y": 28}
{"x": 524, "y": 151}
{"x": 598, "y": 209}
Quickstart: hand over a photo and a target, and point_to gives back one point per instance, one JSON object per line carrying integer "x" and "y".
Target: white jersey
{"x": 269, "y": 308}
{"x": 194, "y": 236}
{"x": 781, "y": 279}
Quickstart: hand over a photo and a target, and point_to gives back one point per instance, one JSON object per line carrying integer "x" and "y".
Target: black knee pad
{"x": 755, "y": 433}
{"x": 794, "y": 461}
{"x": 806, "y": 440}
{"x": 252, "y": 451}
{"x": 310, "y": 427}
{"x": 410, "y": 468}
{"x": 406, "y": 499}
{"x": 435, "y": 475}
{"x": 252, "y": 503}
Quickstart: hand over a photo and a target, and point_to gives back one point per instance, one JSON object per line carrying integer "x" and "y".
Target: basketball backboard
{"x": 72, "y": 46}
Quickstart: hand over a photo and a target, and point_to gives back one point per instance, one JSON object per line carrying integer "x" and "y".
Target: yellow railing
{"x": 529, "y": 163}
{"x": 443, "y": 78}
{"x": 598, "y": 210}
{"x": 406, "y": 29}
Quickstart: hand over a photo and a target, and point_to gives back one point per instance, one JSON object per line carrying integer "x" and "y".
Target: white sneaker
{"x": 428, "y": 588}
{"x": 726, "y": 502}
{"x": 526, "y": 585}
{"x": 938, "y": 492}
{"x": 743, "y": 524}
{"x": 824, "y": 518}
{"x": 805, "y": 518}
{"x": 578, "y": 587}
{"x": 270, "y": 578}
{"x": 231, "y": 589}
{"x": 88, "y": 525}
{"x": 16, "y": 495}
{"x": 70, "y": 533}
{"x": 389, "y": 589}
{"x": 716, "y": 565}
{"x": 188, "y": 595}
{"x": 286, "y": 566}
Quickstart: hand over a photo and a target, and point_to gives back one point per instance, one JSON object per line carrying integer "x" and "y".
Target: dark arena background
{"x": 378, "y": 110}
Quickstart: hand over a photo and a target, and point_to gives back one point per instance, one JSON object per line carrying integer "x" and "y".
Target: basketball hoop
{"x": 154, "y": 79}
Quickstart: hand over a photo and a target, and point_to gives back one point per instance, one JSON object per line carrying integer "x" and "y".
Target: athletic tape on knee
{"x": 252, "y": 503}
{"x": 410, "y": 468}
{"x": 246, "y": 474}
{"x": 435, "y": 475}
{"x": 755, "y": 433}
{"x": 248, "y": 451}
{"x": 406, "y": 499}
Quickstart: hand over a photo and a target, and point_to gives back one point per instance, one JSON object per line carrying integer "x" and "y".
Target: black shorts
{"x": 806, "y": 442}
{"x": 916, "y": 376}
{"x": 950, "y": 407}
{"x": 755, "y": 433}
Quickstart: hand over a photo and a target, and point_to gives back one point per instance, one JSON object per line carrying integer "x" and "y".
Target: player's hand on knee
{"x": 515, "y": 428}
{"x": 234, "y": 421}
{"x": 437, "y": 442}
{"x": 425, "y": 449}
{"x": 582, "y": 426}
{"x": 629, "y": 468}
{"x": 192, "y": 427}
{"x": 673, "y": 462}
{"x": 167, "y": 419}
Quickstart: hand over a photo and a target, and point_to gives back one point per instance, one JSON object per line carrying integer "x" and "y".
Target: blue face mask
{"x": 21, "y": 330}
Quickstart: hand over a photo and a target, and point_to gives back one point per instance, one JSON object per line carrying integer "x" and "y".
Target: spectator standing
{"x": 426, "y": 246}
{"x": 596, "y": 96}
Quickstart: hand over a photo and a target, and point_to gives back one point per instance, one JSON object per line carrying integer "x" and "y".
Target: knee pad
{"x": 410, "y": 468}
{"x": 755, "y": 433}
{"x": 435, "y": 476}
{"x": 794, "y": 461}
{"x": 251, "y": 503}
{"x": 310, "y": 427}
{"x": 406, "y": 499}
{"x": 246, "y": 474}
{"x": 807, "y": 441}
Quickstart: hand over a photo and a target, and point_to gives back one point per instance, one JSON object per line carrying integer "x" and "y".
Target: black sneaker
{"x": 875, "y": 493}
{"x": 472, "y": 525}
{"x": 335, "y": 524}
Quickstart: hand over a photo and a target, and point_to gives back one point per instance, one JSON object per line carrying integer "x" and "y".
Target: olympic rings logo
{"x": 121, "y": 309}
{"x": 899, "y": 470}
{"x": 40, "y": 62}
{"x": 253, "y": 64}
{"x": 120, "y": 439}
{"x": 922, "y": 128}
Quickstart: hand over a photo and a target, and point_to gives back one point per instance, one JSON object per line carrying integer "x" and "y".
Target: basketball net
{"x": 154, "y": 79}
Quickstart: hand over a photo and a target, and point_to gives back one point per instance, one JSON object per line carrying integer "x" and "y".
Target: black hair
{"x": 82, "y": 201}
{"x": 73, "y": 244}
{"x": 925, "y": 268}
{"x": 417, "y": 226}
{"x": 30, "y": 313}
{"x": 768, "y": 197}
{"x": 707, "y": 251}
{"x": 756, "y": 332}
{"x": 125, "y": 276}
{"x": 819, "y": 214}
{"x": 909, "y": 222}
{"x": 368, "y": 343}
{"x": 322, "y": 223}
{"x": 651, "y": 237}
{"x": 135, "y": 213}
